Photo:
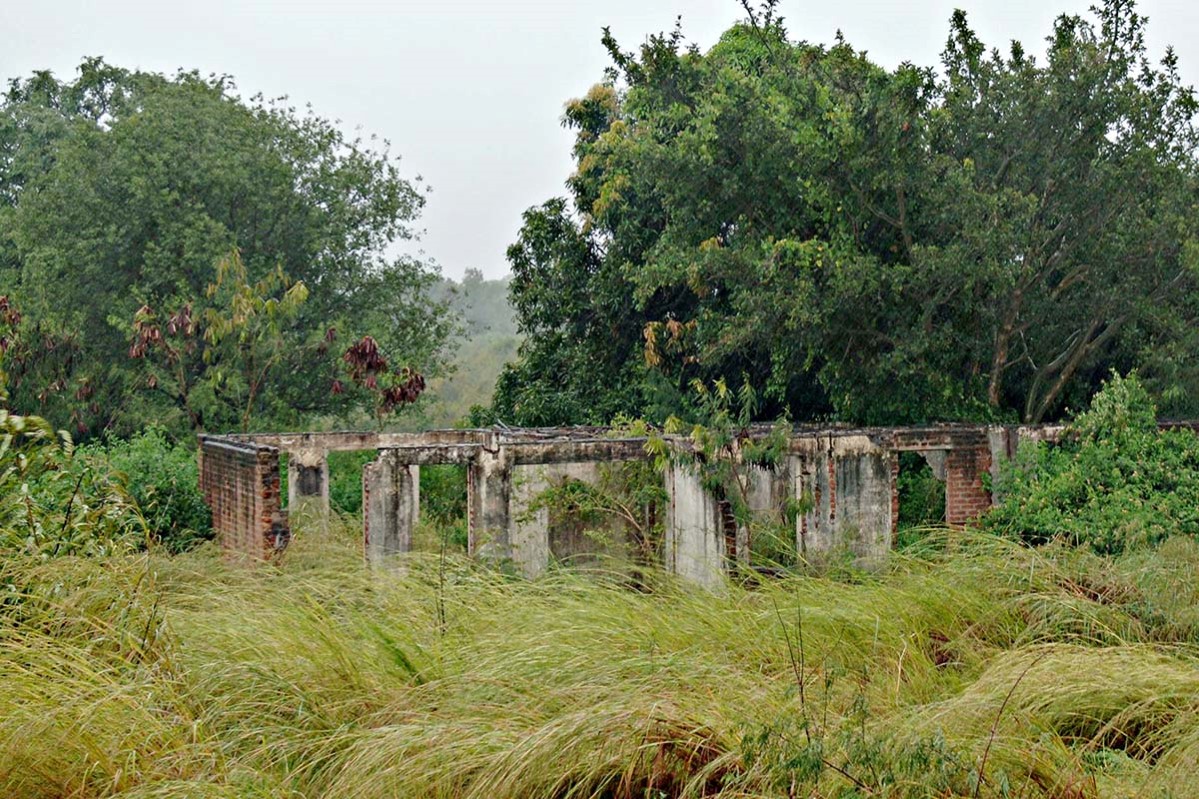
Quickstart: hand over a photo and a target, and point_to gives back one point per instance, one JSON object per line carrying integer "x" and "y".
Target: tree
{"x": 124, "y": 189}
{"x": 879, "y": 246}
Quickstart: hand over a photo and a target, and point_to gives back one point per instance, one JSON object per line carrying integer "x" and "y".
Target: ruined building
{"x": 848, "y": 476}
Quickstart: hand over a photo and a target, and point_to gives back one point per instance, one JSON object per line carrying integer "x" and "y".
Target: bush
{"x": 921, "y": 499}
{"x": 1115, "y": 483}
{"x": 345, "y": 479}
{"x": 52, "y": 503}
{"x": 163, "y": 479}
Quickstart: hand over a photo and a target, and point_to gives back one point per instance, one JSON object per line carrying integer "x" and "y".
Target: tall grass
{"x": 981, "y": 668}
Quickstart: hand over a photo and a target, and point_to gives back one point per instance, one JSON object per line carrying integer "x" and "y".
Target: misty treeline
{"x": 987, "y": 239}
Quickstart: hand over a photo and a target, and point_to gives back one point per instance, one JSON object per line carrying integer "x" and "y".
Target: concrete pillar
{"x": 308, "y": 484}
{"x": 390, "y": 506}
{"x": 815, "y": 480}
{"x": 850, "y": 487}
{"x": 530, "y": 536}
{"x": 694, "y": 546}
{"x": 864, "y": 504}
{"x": 489, "y": 492}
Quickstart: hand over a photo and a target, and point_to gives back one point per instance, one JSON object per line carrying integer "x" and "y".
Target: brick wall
{"x": 965, "y": 496}
{"x": 240, "y": 483}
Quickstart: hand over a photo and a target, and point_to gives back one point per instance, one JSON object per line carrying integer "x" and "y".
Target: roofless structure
{"x": 848, "y": 474}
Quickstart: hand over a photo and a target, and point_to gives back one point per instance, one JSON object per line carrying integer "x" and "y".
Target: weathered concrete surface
{"x": 694, "y": 545}
{"x": 538, "y": 537}
{"x": 847, "y": 483}
{"x": 390, "y": 507}
{"x": 863, "y": 512}
{"x": 846, "y": 476}
{"x": 530, "y": 534}
{"x": 489, "y": 505}
{"x": 935, "y": 458}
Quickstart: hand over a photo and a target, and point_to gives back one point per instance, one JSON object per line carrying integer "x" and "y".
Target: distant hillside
{"x": 489, "y": 339}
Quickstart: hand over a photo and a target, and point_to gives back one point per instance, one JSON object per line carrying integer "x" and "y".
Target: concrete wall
{"x": 847, "y": 476}
{"x": 390, "y": 506}
{"x": 848, "y": 483}
{"x": 694, "y": 547}
{"x": 541, "y": 537}
{"x": 240, "y": 483}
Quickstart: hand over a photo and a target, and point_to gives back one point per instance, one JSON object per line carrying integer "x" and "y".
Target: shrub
{"x": 163, "y": 479}
{"x": 52, "y": 503}
{"x": 1116, "y": 482}
{"x": 345, "y": 479}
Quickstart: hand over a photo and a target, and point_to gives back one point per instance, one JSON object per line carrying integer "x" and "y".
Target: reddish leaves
{"x": 368, "y": 368}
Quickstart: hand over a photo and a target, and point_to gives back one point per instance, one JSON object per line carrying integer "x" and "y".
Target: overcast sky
{"x": 470, "y": 93}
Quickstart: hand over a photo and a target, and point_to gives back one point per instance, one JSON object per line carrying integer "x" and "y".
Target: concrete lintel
{"x": 599, "y": 450}
{"x": 435, "y": 454}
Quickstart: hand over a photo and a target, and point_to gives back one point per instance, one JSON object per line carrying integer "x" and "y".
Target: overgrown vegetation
{"x": 1117, "y": 482}
{"x": 162, "y": 479}
{"x": 851, "y": 241}
{"x": 991, "y": 669}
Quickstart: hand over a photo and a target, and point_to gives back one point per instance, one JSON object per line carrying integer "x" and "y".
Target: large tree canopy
{"x": 983, "y": 241}
{"x": 124, "y": 190}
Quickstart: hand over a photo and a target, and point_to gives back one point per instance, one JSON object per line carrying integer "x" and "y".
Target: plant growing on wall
{"x": 726, "y": 448}
{"x": 629, "y": 496}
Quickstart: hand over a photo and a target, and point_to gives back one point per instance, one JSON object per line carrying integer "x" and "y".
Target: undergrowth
{"x": 980, "y": 668}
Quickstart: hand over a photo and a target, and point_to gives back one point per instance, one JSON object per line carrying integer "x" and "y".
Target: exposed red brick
{"x": 240, "y": 482}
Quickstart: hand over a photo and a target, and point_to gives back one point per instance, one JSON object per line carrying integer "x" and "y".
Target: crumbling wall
{"x": 390, "y": 506}
{"x": 848, "y": 484}
{"x": 847, "y": 478}
{"x": 240, "y": 483}
{"x": 694, "y": 548}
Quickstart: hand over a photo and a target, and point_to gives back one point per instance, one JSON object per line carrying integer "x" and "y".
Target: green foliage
{"x": 921, "y": 499}
{"x": 623, "y": 510}
{"x": 52, "y": 503}
{"x": 216, "y": 355}
{"x": 345, "y": 479}
{"x": 443, "y": 492}
{"x": 162, "y": 478}
{"x": 122, "y": 190}
{"x": 1117, "y": 483}
{"x": 984, "y": 241}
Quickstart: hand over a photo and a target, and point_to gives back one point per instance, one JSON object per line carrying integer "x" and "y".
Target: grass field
{"x": 978, "y": 668}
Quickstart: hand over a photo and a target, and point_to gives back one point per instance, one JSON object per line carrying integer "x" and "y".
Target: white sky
{"x": 470, "y": 93}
